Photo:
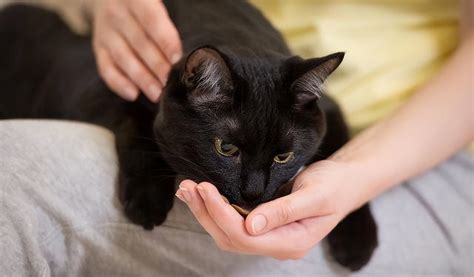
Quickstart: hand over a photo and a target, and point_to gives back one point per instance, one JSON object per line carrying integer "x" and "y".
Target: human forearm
{"x": 435, "y": 123}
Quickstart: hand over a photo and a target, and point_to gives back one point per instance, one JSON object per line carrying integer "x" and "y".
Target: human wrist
{"x": 363, "y": 174}
{"x": 356, "y": 185}
{"x": 335, "y": 185}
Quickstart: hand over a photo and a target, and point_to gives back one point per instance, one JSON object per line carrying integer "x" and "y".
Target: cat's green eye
{"x": 284, "y": 158}
{"x": 225, "y": 149}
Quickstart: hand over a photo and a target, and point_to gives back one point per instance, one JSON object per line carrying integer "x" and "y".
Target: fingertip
{"x": 163, "y": 32}
{"x": 114, "y": 79}
{"x": 170, "y": 44}
{"x": 130, "y": 93}
{"x": 207, "y": 185}
{"x": 187, "y": 183}
{"x": 256, "y": 222}
{"x": 154, "y": 92}
{"x": 210, "y": 189}
{"x": 248, "y": 224}
{"x": 175, "y": 57}
{"x": 172, "y": 48}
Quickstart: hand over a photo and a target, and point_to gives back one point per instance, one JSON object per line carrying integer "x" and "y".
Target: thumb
{"x": 302, "y": 203}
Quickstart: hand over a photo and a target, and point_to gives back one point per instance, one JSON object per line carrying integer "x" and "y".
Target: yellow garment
{"x": 392, "y": 46}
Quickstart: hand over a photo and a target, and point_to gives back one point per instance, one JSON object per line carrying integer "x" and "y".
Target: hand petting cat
{"x": 135, "y": 44}
{"x": 285, "y": 228}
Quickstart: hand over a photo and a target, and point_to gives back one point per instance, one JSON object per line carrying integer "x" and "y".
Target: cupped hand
{"x": 285, "y": 228}
{"x": 135, "y": 44}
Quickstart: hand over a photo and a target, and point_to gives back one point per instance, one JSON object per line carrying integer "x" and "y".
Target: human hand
{"x": 285, "y": 228}
{"x": 135, "y": 45}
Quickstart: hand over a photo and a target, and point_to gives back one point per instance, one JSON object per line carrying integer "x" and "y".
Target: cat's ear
{"x": 207, "y": 76}
{"x": 311, "y": 75}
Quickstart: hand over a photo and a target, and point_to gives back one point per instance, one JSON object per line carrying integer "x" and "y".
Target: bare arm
{"x": 435, "y": 123}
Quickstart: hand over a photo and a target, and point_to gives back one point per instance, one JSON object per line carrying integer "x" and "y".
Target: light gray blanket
{"x": 59, "y": 216}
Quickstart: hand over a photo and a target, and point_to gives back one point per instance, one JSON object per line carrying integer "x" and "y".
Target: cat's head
{"x": 247, "y": 125}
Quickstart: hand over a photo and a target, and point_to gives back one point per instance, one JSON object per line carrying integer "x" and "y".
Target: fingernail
{"x": 186, "y": 194}
{"x": 175, "y": 58}
{"x": 201, "y": 191}
{"x": 180, "y": 197}
{"x": 258, "y": 223}
{"x": 130, "y": 92}
{"x": 155, "y": 90}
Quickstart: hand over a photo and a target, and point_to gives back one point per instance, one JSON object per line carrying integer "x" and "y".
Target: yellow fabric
{"x": 392, "y": 46}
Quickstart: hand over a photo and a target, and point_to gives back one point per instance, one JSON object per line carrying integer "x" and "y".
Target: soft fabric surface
{"x": 392, "y": 46}
{"x": 59, "y": 215}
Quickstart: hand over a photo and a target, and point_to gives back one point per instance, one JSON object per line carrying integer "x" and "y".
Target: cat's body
{"x": 255, "y": 97}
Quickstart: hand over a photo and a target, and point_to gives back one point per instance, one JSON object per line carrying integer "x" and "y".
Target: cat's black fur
{"x": 237, "y": 81}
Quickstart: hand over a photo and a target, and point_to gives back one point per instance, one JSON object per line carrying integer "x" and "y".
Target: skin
{"x": 435, "y": 123}
{"x": 135, "y": 44}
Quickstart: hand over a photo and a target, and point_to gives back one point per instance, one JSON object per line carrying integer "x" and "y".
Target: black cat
{"x": 238, "y": 111}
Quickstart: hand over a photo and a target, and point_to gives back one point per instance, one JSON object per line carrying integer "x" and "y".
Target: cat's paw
{"x": 354, "y": 240}
{"x": 146, "y": 203}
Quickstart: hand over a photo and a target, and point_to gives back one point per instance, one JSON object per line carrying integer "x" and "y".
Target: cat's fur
{"x": 237, "y": 81}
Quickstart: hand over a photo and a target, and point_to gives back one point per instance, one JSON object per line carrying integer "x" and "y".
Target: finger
{"x": 145, "y": 48}
{"x": 226, "y": 217}
{"x": 197, "y": 207}
{"x": 114, "y": 78}
{"x": 285, "y": 241}
{"x": 127, "y": 61}
{"x": 302, "y": 203}
{"x": 155, "y": 20}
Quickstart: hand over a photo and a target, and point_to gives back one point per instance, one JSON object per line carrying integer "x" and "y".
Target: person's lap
{"x": 60, "y": 215}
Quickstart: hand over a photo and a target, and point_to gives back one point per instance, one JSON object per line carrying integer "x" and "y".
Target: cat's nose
{"x": 253, "y": 186}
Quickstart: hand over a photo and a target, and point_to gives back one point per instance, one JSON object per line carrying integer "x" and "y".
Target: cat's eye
{"x": 284, "y": 158}
{"x": 225, "y": 149}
